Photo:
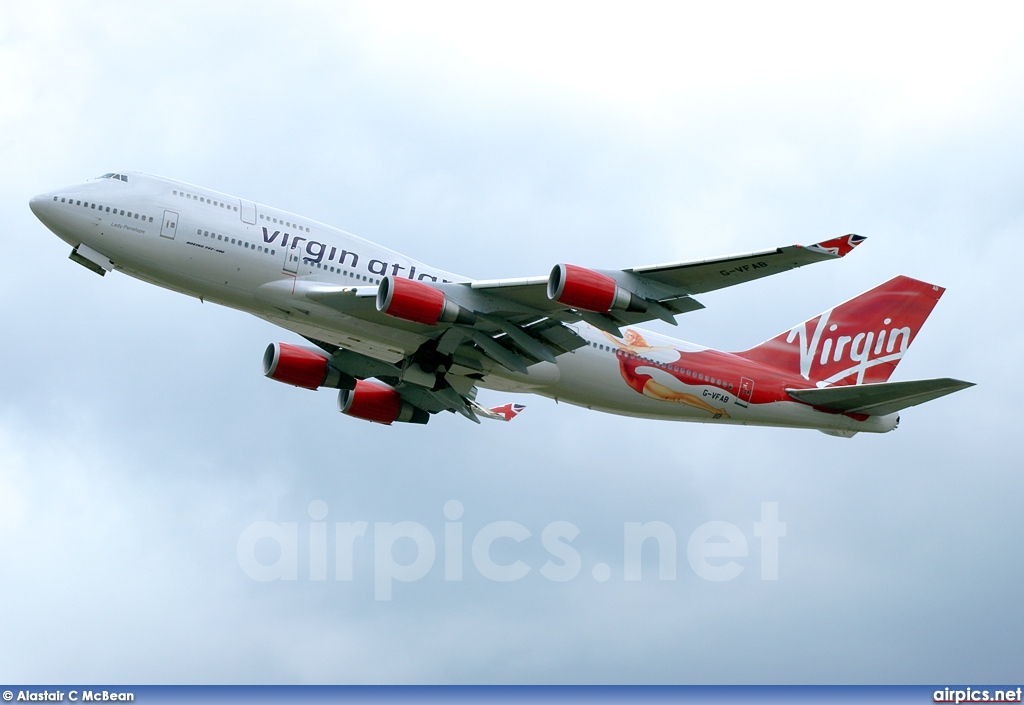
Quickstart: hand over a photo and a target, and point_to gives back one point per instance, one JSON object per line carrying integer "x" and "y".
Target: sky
{"x": 150, "y": 476}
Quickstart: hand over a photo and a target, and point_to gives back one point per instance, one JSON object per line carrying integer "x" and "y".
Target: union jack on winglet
{"x": 839, "y": 246}
{"x": 508, "y": 411}
{"x": 505, "y": 412}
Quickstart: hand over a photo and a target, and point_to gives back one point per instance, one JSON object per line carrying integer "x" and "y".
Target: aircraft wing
{"x": 697, "y": 277}
{"x": 878, "y": 399}
{"x": 667, "y": 288}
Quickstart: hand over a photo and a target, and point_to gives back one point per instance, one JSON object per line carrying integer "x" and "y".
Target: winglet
{"x": 506, "y": 412}
{"x": 838, "y": 246}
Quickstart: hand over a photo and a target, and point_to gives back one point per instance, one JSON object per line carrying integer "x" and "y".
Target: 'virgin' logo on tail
{"x": 823, "y": 353}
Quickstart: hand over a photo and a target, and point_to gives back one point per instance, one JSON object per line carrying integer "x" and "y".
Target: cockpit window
{"x": 112, "y": 175}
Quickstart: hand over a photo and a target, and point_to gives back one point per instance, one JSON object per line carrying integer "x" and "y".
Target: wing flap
{"x": 878, "y": 399}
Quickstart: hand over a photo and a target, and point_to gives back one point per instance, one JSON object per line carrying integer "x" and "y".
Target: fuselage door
{"x": 292, "y": 255}
{"x": 247, "y": 212}
{"x": 170, "y": 225}
{"x": 746, "y": 391}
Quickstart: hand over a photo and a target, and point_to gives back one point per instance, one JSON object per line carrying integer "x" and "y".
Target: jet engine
{"x": 588, "y": 290}
{"x": 302, "y": 367}
{"x": 420, "y": 303}
{"x": 372, "y": 401}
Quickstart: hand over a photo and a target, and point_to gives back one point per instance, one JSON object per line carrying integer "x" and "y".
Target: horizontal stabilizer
{"x": 878, "y": 399}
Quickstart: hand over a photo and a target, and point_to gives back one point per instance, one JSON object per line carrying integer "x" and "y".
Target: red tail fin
{"x": 857, "y": 342}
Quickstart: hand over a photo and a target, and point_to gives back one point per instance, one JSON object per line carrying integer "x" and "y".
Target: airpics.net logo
{"x": 499, "y": 551}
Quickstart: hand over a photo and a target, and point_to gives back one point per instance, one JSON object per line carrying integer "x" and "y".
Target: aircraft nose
{"x": 39, "y": 205}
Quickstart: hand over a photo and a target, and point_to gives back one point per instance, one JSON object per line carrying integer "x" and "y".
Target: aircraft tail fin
{"x": 857, "y": 342}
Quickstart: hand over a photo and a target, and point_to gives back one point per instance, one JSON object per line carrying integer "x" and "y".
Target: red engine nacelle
{"x": 588, "y": 290}
{"x": 302, "y": 367}
{"x": 379, "y": 403}
{"x": 418, "y": 302}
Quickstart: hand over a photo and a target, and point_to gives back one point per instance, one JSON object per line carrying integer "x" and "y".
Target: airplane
{"x": 402, "y": 340}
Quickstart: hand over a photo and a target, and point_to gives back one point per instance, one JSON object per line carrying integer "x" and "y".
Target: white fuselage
{"x": 263, "y": 260}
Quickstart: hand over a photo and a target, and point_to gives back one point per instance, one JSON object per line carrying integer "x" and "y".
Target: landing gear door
{"x": 746, "y": 391}
{"x": 169, "y": 225}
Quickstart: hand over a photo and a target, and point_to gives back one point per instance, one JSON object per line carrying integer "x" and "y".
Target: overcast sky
{"x": 139, "y": 442}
